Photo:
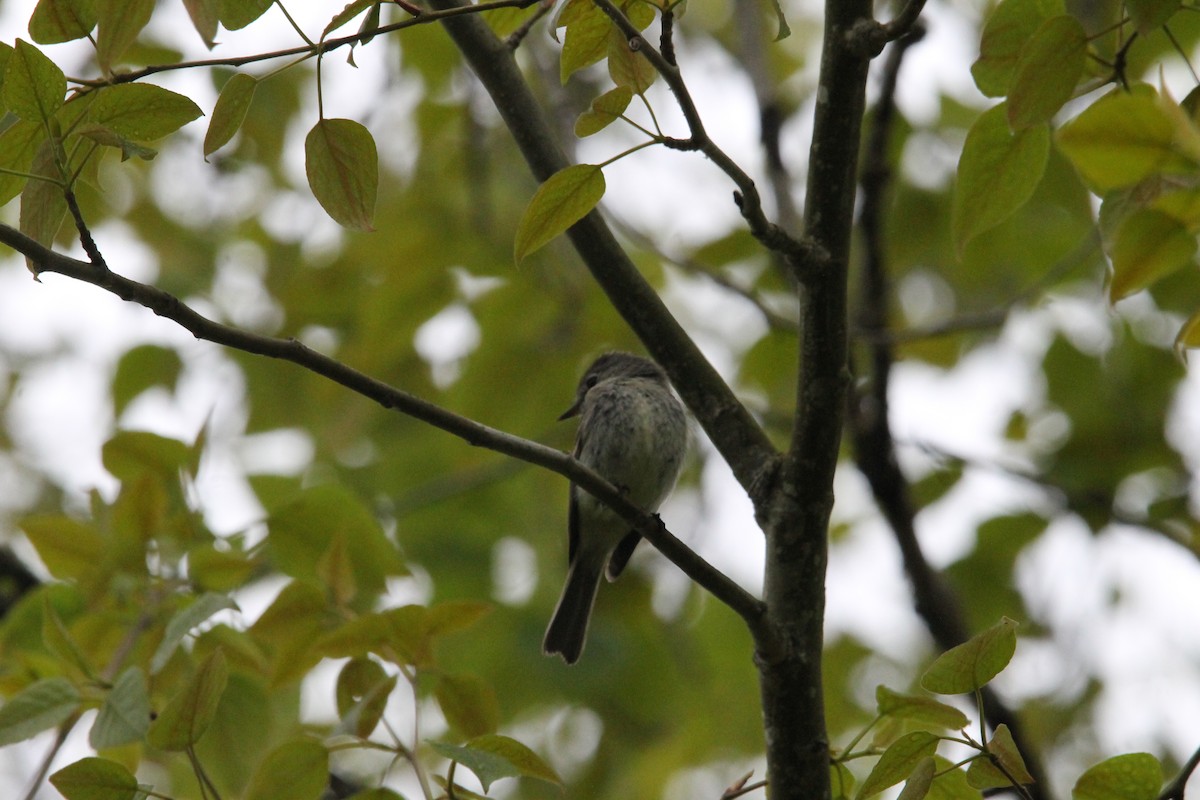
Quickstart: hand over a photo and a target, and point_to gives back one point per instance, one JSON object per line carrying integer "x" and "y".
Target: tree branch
{"x": 874, "y": 445}
{"x": 1175, "y": 789}
{"x": 168, "y": 306}
{"x": 737, "y": 436}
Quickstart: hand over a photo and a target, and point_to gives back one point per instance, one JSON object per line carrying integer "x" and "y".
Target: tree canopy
{"x": 284, "y": 497}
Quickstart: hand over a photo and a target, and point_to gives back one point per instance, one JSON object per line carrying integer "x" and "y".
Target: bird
{"x": 633, "y": 432}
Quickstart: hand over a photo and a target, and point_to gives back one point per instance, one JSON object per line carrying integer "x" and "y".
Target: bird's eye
{"x": 591, "y": 380}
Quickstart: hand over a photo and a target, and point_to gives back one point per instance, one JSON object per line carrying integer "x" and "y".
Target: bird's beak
{"x": 573, "y": 411}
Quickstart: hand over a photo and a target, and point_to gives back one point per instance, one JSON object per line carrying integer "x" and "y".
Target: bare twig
{"x": 170, "y": 307}
{"x": 749, "y": 202}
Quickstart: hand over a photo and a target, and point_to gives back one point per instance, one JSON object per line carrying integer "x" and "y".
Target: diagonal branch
{"x": 166, "y": 305}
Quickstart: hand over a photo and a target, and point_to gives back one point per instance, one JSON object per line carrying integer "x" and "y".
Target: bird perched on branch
{"x": 632, "y": 431}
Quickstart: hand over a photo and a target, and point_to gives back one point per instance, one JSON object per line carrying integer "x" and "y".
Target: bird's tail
{"x": 568, "y": 627}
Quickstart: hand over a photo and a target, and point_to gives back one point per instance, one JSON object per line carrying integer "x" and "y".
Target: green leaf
{"x": 120, "y": 22}
{"x": 362, "y": 692}
{"x": 237, "y": 14}
{"x": 189, "y": 713}
{"x": 34, "y": 86}
{"x": 468, "y": 703}
{"x": 296, "y": 770}
{"x": 43, "y": 205}
{"x": 376, "y": 794}
{"x": 604, "y": 110}
{"x": 110, "y": 138}
{"x": 1047, "y": 71}
{"x": 55, "y": 21}
{"x": 18, "y": 143}
{"x": 36, "y": 708}
{"x": 182, "y": 623}
{"x": 784, "y": 30}
{"x": 352, "y": 10}
{"x": 95, "y": 779}
{"x": 1134, "y": 776}
{"x": 565, "y": 198}
{"x": 919, "y": 782}
{"x": 1009, "y": 27}
{"x": 125, "y": 714}
{"x": 58, "y": 641}
{"x": 70, "y": 549}
{"x": 628, "y": 67}
{"x": 972, "y": 664}
{"x": 142, "y": 112}
{"x": 1188, "y": 336}
{"x": 142, "y": 368}
{"x": 983, "y": 773}
{"x": 343, "y": 171}
{"x": 219, "y": 570}
{"x": 230, "y": 111}
{"x": 585, "y": 41}
{"x": 924, "y": 710}
{"x": 299, "y": 535}
{"x": 205, "y": 18}
{"x": 1149, "y": 15}
{"x": 1149, "y": 246}
{"x": 997, "y": 173}
{"x": 129, "y": 454}
{"x": 898, "y": 762}
{"x": 493, "y": 757}
{"x": 1125, "y": 137}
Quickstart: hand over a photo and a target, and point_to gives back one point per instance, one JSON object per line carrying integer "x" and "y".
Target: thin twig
{"x": 167, "y": 305}
{"x": 309, "y": 50}
{"x": 748, "y": 200}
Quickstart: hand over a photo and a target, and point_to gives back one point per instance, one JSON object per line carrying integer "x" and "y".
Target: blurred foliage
{"x": 380, "y": 555}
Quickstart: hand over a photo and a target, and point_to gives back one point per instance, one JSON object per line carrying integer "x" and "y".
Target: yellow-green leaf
{"x": 296, "y": 770}
{"x": 493, "y": 756}
{"x": 1133, "y": 776}
{"x": 604, "y": 110}
{"x": 142, "y": 368}
{"x": 120, "y": 22}
{"x": 1149, "y": 245}
{"x": 38, "y": 707}
{"x": 125, "y": 714}
{"x": 182, "y": 623}
{"x": 362, "y": 692}
{"x": 918, "y": 708}
{"x": 626, "y": 66}
{"x": 972, "y": 664}
{"x": 205, "y": 19}
{"x": 468, "y": 703}
{"x": 898, "y": 762}
{"x": 129, "y": 454}
{"x": 55, "y": 21}
{"x": 237, "y": 14}
{"x": 229, "y": 112}
{"x": 1125, "y": 137}
{"x": 984, "y": 773}
{"x": 142, "y": 112}
{"x": 352, "y": 10}
{"x": 564, "y": 199}
{"x": 34, "y": 86}
{"x": 919, "y": 782}
{"x": 1009, "y": 27}
{"x": 1047, "y": 71}
{"x": 18, "y": 143}
{"x": 586, "y": 39}
{"x": 1149, "y": 15}
{"x": 343, "y": 171}
{"x": 188, "y": 714}
{"x": 997, "y": 173}
{"x": 1188, "y": 336}
{"x": 110, "y": 138}
{"x": 69, "y": 548}
{"x": 95, "y": 778}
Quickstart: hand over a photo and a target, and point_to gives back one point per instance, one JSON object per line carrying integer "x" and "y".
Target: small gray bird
{"x": 633, "y": 432}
